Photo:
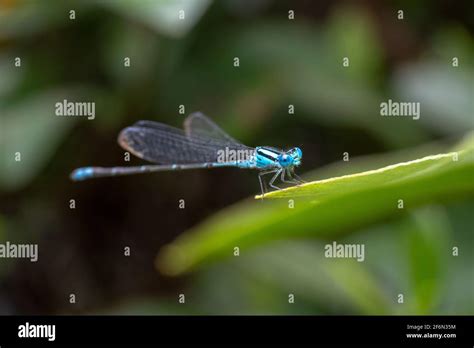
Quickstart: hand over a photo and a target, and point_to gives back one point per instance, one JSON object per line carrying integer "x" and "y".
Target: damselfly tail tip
{"x": 80, "y": 174}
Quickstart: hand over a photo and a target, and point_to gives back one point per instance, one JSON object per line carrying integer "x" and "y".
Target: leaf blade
{"x": 330, "y": 209}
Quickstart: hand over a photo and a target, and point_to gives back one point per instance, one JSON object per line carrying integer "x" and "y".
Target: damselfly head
{"x": 290, "y": 158}
{"x": 296, "y": 154}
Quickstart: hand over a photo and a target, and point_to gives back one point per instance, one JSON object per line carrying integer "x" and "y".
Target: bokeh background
{"x": 190, "y": 62}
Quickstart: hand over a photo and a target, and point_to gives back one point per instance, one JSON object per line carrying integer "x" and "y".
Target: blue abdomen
{"x": 82, "y": 173}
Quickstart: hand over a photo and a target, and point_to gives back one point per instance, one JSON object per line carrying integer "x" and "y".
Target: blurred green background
{"x": 190, "y": 62}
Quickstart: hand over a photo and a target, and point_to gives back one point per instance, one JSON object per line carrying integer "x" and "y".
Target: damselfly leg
{"x": 295, "y": 179}
{"x": 292, "y": 177}
{"x": 262, "y": 182}
{"x": 274, "y": 178}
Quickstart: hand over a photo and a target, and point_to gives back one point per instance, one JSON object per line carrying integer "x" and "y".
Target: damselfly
{"x": 202, "y": 144}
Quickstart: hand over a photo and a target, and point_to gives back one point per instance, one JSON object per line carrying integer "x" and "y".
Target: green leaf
{"x": 352, "y": 33}
{"x": 423, "y": 81}
{"x": 260, "y": 281}
{"x": 30, "y": 133}
{"x": 324, "y": 209}
{"x": 301, "y": 268}
{"x": 426, "y": 235}
{"x": 163, "y": 15}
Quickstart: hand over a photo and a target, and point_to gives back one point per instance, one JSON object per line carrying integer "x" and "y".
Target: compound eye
{"x": 285, "y": 159}
{"x": 298, "y": 152}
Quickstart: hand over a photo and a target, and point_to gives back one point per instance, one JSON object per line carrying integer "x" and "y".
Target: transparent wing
{"x": 199, "y": 125}
{"x": 160, "y": 143}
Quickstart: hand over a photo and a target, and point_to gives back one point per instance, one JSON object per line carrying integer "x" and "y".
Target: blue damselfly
{"x": 202, "y": 144}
